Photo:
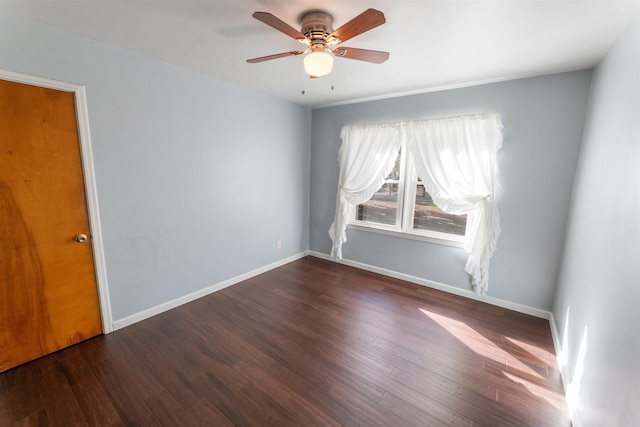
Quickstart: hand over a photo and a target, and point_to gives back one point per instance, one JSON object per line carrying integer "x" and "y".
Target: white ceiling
{"x": 433, "y": 44}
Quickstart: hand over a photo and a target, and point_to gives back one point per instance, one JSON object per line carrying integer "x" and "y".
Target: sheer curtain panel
{"x": 366, "y": 158}
{"x": 456, "y": 159}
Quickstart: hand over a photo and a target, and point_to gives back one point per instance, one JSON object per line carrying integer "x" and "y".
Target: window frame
{"x": 407, "y": 184}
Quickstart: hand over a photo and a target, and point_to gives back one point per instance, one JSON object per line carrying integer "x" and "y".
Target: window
{"x": 382, "y": 208}
{"x": 403, "y": 205}
{"x": 456, "y": 156}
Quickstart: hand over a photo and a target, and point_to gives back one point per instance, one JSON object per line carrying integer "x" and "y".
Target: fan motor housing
{"x": 316, "y": 24}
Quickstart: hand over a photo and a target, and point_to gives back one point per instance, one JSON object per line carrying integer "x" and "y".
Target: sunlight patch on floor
{"x": 479, "y": 344}
{"x": 545, "y": 356}
{"x": 553, "y": 398}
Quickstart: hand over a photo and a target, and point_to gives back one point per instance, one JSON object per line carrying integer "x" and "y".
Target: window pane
{"x": 394, "y": 175}
{"x": 428, "y": 216}
{"x": 382, "y": 207}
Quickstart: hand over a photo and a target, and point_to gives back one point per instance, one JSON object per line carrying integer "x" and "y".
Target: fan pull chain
{"x": 304, "y": 79}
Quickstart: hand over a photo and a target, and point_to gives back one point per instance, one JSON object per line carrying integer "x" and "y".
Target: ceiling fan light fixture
{"x": 318, "y": 63}
{"x": 316, "y": 32}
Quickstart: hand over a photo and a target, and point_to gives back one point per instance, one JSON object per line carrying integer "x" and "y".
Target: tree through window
{"x": 403, "y": 204}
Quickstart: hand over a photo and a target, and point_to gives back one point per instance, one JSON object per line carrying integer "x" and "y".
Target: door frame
{"x": 88, "y": 172}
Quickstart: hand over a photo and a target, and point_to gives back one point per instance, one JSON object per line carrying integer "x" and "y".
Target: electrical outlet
{"x": 278, "y": 244}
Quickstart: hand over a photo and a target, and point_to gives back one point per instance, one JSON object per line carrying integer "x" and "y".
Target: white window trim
{"x": 404, "y": 213}
{"x": 431, "y": 237}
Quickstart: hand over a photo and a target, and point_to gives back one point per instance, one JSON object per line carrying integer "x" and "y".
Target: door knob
{"x": 80, "y": 238}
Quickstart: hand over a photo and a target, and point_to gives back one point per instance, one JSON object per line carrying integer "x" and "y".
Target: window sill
{"x": 433, "y": 237}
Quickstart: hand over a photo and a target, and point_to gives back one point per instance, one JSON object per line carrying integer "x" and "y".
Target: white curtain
{"x": 456, "y": 159}
{"x": 366, "y": 158}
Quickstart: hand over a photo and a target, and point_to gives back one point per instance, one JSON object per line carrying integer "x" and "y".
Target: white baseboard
{"x": 145, "y": 314}
{"x": 558, "y": 346}
{"x": 440, "y": 286}
{"x": 557, "y": 341}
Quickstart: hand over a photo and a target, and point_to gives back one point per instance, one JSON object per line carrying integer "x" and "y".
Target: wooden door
{"x": 48, "y": 292}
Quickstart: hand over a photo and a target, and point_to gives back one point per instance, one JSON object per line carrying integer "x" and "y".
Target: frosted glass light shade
{"x": 318, "y": 64}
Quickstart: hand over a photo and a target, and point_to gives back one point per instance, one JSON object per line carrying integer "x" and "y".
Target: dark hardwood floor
{"x": 312, "y": 343}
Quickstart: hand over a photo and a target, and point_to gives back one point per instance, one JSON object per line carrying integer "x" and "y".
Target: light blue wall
{"x": 598, "y": 294}
{"x": 196, "y": 178}
{"x": 543, "y": 119}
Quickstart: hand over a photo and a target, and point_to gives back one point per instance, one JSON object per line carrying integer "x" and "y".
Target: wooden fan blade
{"x": 279, "y": 25}
{"x": 374, "y": 56}
{"x": 276, "y": 56}
{"x": 366, "y": 21}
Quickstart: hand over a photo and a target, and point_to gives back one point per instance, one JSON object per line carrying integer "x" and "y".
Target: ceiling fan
{"x": 317, "y": 33}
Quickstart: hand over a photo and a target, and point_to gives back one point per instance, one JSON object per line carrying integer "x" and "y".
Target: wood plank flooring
{"x": 312, "y": 343}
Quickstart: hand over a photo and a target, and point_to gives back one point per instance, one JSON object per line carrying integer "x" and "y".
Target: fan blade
{"x": 366, "y": 21}
{"x": 374, "y": 56}
{"x": 279, "y": 25}
{"x": 276, "y": 56}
